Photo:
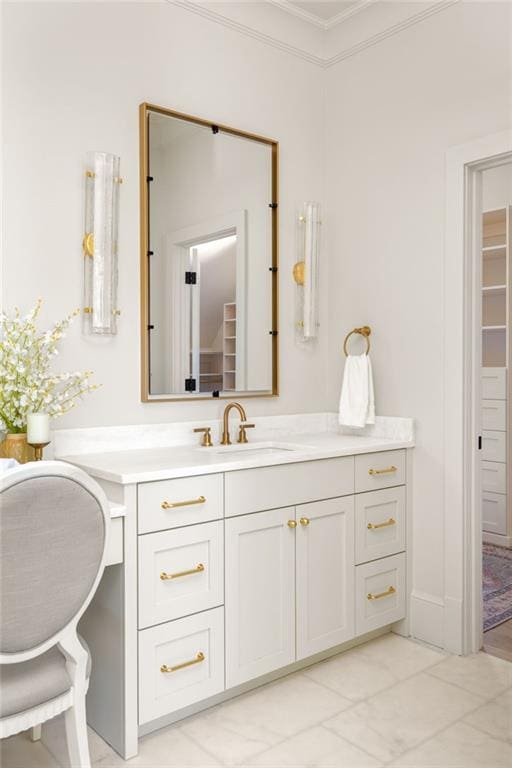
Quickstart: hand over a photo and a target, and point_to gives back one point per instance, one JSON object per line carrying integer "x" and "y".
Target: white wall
{"x": 74, "y": 77}
{"x": 497, "y": 187}
{"x": 392, "y": 112}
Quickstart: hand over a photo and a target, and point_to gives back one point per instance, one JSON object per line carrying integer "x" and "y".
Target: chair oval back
{"x": 52, "y": 543}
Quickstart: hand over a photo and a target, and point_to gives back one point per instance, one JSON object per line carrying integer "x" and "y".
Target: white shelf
{"x": 229, "y": 348}
{"x": 493, "y": 248}
{"x": 494, "y": 328}
{"x": 497, "y": 289}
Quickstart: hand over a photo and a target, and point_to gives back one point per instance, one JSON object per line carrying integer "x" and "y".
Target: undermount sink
{"x": 252, "y": 449}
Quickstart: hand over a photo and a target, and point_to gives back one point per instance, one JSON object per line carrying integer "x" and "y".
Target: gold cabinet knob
{"x": 304, "y": 521}
{"x": 292, "y": 523}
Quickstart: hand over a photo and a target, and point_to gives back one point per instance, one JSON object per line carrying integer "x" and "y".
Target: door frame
{"x": 232, "y": 223}
{"x": 462, "y": 362}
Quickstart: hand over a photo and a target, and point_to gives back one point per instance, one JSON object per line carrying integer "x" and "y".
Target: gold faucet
{"x": 226, "y": 440}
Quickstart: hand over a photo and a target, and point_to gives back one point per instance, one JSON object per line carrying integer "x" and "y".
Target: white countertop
{"x": 149, "y": 464}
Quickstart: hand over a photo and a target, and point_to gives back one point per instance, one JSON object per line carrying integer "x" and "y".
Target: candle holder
{"x": 38, "y": 450}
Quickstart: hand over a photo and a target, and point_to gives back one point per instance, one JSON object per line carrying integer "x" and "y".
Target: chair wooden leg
{"x": 76, "y": 735}
{"x": 35, "y": 733}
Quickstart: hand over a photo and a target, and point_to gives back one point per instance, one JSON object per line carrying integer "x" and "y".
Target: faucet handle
{"x": 242, "y": 436}
{"x": 206, "y": 442}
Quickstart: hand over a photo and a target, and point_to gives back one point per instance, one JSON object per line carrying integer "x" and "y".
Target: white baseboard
{"x": 427, "y": 619}
{"x": 498, "y": 539}
{"x": 453, "y": 625}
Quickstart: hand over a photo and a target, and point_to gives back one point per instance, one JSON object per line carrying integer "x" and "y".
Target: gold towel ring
{"x": 364, "y": 331}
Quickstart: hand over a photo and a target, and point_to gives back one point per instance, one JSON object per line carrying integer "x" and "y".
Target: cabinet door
{"x": 259, "y": 594}
{"x": 494, "y": 512}
{"x": 325, "y": 575}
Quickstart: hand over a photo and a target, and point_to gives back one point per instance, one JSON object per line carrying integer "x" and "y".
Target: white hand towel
{"x": 357, "y": 402}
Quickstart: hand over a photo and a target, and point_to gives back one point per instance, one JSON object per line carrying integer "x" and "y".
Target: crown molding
{"x": 219, "y": 18}
{"x": 349, "y": 12}
{"x": 300, "y": 13}
{"x": 319, "y": 61}
{"x": 432, "y": 10}
{"x": 311, "y": 18}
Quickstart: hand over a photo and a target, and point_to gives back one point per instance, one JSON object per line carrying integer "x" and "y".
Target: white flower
{"x": 25, "y": 359}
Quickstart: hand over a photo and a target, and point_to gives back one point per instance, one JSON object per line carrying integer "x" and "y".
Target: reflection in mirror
{"x": 210, "y": 235}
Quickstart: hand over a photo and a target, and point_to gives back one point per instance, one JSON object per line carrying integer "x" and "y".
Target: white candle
{"x": 38, "y": 428}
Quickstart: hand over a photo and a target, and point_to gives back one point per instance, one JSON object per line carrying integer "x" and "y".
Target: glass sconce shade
{"x": 305, "y": 272}
{"x": 100, "y": 243}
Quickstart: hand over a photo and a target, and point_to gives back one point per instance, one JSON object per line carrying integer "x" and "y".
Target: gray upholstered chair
{"x": 54, "y": 523}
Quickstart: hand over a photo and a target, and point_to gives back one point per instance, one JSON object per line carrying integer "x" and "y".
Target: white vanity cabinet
{"x": 230, "y": 577}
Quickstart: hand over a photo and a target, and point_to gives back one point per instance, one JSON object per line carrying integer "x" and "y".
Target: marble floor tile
{"x": 420, "y": 706}
{"x": 241, "y": 728}
{"x": 400, "y": 656}
{"x": 167, "y": 748}
{"x": 495, "y": 717}
{"x": 314, "y": 747}
{"x": 459, "y": 746}
{"x": 401, "y": 717}
{"x": 19, "y": 752}
{"x": 479, "y": 673}
{"x": 374, "y": 666}
{"x": 352, "y": 675}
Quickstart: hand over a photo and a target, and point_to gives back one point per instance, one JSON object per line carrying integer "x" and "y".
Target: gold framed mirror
{"x": 209, "y": 259}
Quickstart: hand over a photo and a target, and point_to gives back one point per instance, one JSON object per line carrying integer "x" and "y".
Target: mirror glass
{"x": 209, "y": 260}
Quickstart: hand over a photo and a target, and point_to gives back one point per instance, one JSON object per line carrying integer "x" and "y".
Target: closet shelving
{"x": 496, "y": 355}
{"x": 229, "y": 348}
{"x": 210, "y": 366}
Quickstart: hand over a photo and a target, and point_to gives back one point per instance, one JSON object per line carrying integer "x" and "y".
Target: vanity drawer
{"x": 380, "y": 523}
{"x": 494, "y": 446}
{"x": 180, "y": 572}
{"x": 494, "y": 477}
{"x": 494, "y": 512}
{"x": 254, "y": 490}
{"x": 380, "y": 593}
{"x": 180, "y": 662}
{"x": 494, "y": 383}
{"x": 494, "y": 414}
{"x": 173, "y": 503}
{"x": 379, "y": 470}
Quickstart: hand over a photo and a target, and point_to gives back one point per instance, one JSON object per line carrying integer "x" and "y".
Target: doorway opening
{"x": 494, "y": 229}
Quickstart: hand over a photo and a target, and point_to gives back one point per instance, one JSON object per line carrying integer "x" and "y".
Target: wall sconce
{"x": 102, "y": 183}
{"x": 305, "y": 273}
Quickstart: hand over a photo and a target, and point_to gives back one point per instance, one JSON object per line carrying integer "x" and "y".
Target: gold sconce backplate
{"x": 88, "y": 244}
{"x": 298, "y": 272}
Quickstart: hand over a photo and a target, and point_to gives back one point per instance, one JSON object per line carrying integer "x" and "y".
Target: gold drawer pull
{"x": 292, "y": 523}
{"x": 188, "y": 503}
{"x": 385, "y": 471}
{"x": 167, "y": 576}
{"x": 198, "y": 659}
{"x": 374, "y": 526}
{"x": 304, "y": 521}
{"x": 387, "y": 593}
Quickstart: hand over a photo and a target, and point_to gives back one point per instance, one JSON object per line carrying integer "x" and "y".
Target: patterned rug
{"x": 497, "y": 585}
